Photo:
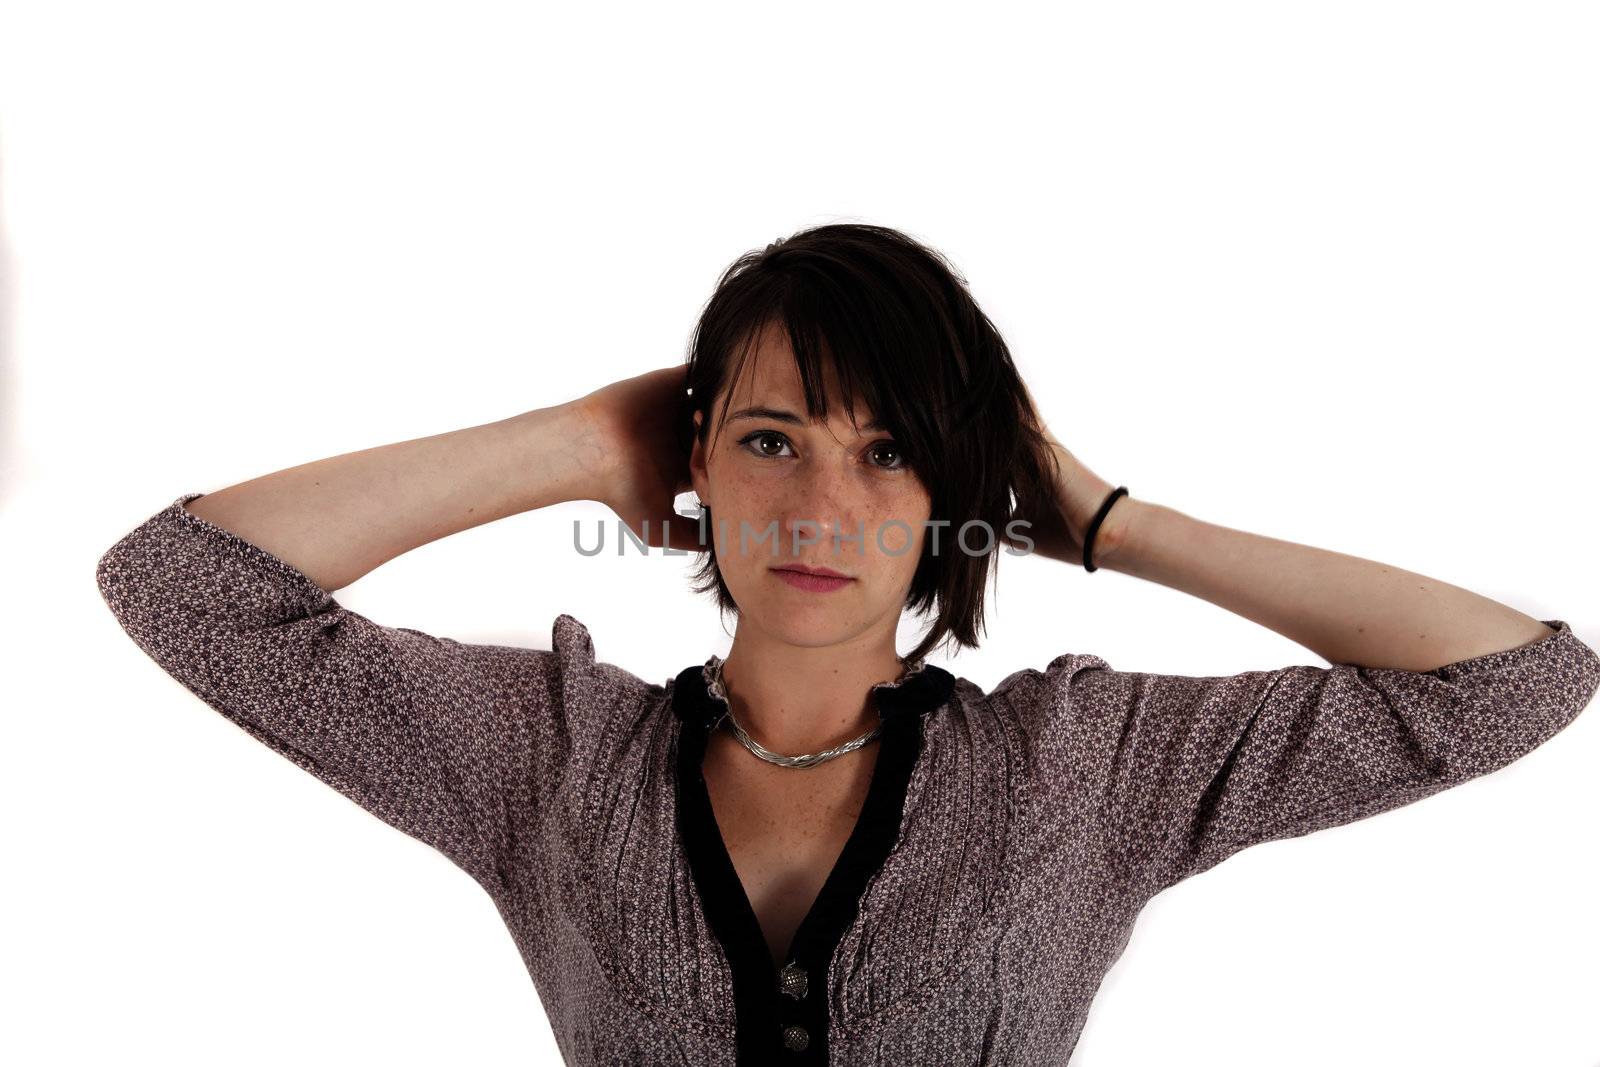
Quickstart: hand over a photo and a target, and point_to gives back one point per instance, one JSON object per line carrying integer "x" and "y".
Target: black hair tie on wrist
{"x": 1094, "y": 526}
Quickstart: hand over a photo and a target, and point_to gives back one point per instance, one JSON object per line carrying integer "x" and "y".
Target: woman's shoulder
{"x": 1044, "y": 707}
{"x": 1035, "y": 684}
{"x": 584, "y": 674}
{"x": 568, "y": 695}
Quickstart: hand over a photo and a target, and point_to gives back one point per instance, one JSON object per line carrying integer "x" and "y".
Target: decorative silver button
{"x": 792, "y": 980}
{"x": 795, "y": 1038}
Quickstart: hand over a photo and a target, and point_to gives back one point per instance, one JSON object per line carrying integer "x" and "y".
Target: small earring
{"x": 687, "y": 508}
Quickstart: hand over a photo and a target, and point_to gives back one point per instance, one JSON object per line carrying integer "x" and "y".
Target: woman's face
{"x": 779, "y": 485}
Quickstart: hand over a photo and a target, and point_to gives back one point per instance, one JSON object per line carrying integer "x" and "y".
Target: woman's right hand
{"x": 644, "y": 467}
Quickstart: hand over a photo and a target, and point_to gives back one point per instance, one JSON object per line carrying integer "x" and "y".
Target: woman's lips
{"x": 812, "y": 582}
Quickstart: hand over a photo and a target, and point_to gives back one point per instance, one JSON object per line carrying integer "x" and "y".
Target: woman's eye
{"x": 889, "y": 448}
{"x": 755, "y": 440}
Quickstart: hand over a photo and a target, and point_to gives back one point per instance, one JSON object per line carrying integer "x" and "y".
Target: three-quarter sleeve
{"x": 448, "y": 742}
{"x": 1189, "y": 770}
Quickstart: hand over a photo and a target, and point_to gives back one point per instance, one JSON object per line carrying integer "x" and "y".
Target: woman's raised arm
{"x": 1431, "y": 685}
{"x": 461, "y": 746}
{"x": 338, "y": 518}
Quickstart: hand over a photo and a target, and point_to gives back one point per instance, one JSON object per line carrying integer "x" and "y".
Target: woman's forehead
{"x": 770, "y": 379}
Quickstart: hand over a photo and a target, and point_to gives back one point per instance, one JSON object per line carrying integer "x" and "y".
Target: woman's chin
{"x": 807, "y": 626}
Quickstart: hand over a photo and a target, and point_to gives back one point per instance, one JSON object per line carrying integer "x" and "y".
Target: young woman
{"x": 818, "y": 850}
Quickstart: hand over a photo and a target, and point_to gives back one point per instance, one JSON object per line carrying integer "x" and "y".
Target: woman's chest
{"x": 646, "y": 839}
{"x": 784, "y": 828}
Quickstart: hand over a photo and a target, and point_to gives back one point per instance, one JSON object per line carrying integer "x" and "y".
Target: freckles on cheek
{"x": 896, "y": 534}
{"x": 747, "y": 503}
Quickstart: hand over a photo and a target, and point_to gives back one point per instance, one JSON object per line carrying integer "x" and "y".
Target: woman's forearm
{"x": 1344, "y": 608}
{"x": 338, "y": 518}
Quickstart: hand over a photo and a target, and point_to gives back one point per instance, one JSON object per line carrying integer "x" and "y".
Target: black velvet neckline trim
{"x": 763, "y": 1011}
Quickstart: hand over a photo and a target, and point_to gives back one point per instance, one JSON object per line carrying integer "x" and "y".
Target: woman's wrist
{"x": 1081, "y": 493}
{"x": 1116, "y": 542}
{"x": 562, "y": 452}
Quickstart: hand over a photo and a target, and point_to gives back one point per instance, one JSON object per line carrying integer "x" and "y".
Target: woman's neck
{"x": 795, "y": 699}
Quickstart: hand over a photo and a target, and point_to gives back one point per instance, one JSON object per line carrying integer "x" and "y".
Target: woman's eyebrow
{"x": 786, "y": 416}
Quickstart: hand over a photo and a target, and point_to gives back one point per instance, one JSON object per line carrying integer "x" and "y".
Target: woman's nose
{"x": 823, "y": 505}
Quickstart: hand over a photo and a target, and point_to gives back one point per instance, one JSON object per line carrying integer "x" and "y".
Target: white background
{"x": 1325, "y": 272}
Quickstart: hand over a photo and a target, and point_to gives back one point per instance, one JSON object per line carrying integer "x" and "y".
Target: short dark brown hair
{"x": 904, "y": 334}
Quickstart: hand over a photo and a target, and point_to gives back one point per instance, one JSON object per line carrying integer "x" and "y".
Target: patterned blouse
{"x": 1008, "y": 841}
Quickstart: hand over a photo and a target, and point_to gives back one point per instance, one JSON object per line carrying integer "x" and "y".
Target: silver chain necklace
{"x": 713, "y": 677}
